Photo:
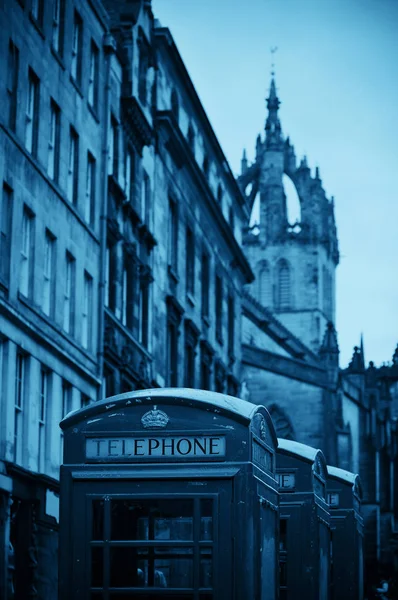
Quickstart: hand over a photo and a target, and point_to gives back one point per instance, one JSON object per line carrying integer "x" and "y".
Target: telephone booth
{"x": 168, "y": 493}
{"x": 304, "y": 542}
{"x": 344, "y": 496}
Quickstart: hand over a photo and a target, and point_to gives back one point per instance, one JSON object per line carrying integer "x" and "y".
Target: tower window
{"x": 264, "y": 285}
{"x": 284, "y": 285}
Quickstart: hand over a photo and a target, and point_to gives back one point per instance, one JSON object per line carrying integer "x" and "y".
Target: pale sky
{"x": 337, "y": 79}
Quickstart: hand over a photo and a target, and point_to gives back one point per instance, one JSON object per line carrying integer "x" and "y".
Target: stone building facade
{"x": 51, "y": 161}
{"x": 121, "y": 252}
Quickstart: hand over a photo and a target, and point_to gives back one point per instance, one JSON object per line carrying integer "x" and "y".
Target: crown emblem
{"x": 155, "y": 419}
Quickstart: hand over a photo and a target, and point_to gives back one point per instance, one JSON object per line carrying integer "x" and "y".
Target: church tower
{"x": 294, "y": 263}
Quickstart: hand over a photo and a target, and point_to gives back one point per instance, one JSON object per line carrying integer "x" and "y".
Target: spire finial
{"x": 273, "y": 49}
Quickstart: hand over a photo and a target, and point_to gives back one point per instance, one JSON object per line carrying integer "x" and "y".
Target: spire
{"x": 329, "y": 344}
{"x": 243, "y": 163}
{"x": 362, "y": 352}
{"x": 258, "y": 145}
{"x": 329, "y": 352}
{"x": 273, "y": 131}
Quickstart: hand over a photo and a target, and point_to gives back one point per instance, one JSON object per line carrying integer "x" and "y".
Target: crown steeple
{"x": 273, "y": 130}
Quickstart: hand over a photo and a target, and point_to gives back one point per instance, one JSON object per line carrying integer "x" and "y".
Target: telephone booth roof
{"x": 352, "y": 479}
{"x": 236, "y": 408}
{"x": 300, "y": 450}
{"x": 342, "y": 475}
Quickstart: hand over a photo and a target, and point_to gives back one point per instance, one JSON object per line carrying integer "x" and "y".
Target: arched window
{"x": 284, "y": 285}
{"x": 264, "y": 285}
{"x": 174, "y": 104}
{"x": 281, "y": 421}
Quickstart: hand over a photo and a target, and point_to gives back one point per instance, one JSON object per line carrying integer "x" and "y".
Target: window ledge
{"x": 58, "y": 57}
{"x": 206, "y": 321}
{"x": 76, "y": 86}
{"x": 38, "y": 26}
{"x": 191, "y": 299}
{"x": 173, "y": 274}
{"x": 69, "y": 337}
{"x": 220, "y": 339}
{"x": 93, "y": 112}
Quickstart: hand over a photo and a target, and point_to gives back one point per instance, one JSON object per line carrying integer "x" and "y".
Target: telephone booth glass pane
{"x": 140, "y": 546}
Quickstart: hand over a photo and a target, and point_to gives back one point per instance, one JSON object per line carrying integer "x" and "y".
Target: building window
{"x": 130, "y": 179}
{"x": 69, "y": 294}
{"x": 43, "y": 404}
{"x": 327, "y": 292}
{"x": 283, "y": 286}
{"x": 128, "y": 293}
{"x": 206, "y": 166}
{"x": 143, "y": 72}
{"x": 58, "y": 26}
{"x": 73, "y": 166}
{"x": 220, "y": 377}
{"x": 110, "y": 277}
{"x": 77, "y": 45}
{"x": 190, "y": 262}
{"x": 27, "y": 245}
{"x": 89, "y": 206}
{"x": 219, "y": 301}
{"x": 93, "y": 77}
{"x": 219, "y": 194}
{"x": 87, "y": 309}
{"x": 107, "y": 275}
{"x": 108, "y": 382}
{"x": 172, "y": 354}
{"x": 144, "y": 313}
{"x": 37, "y": 11}
{"x": 145, "y": 196}
{"x": 173, "y": 235}
{"x": 231, "y": 218}
{"x": 12, "y": 84}
{"x": 232, "y": 386}
{"x": 54, "y": 141}
{"x": 191, "y": 138}
{"x": 174, "y": 314}
{"x": 191, "y": 340}
{"x": 84, "y": 400}
{"x": 114, "y": 148}
{"x": 206, "y": 359}
{"x": 32, "y": 113}
{"x": 49, "y": 274}
{"x": 231, "y": 326}
{"x": 5, "y": 234}
{"x": 20, "y": 394}
{"x": 205, "y": 284}
{"x": 66, "y": 398}
{"x": 175, "y": 109}
{"x": 264, "y": 285}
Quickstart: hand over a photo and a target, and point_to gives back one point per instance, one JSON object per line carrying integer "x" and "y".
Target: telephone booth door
{"x": 147, "y": 540}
